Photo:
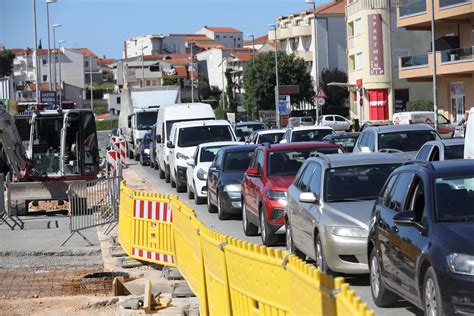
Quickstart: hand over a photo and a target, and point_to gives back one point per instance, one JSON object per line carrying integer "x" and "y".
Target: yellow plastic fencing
{"x": 229, "y": 276}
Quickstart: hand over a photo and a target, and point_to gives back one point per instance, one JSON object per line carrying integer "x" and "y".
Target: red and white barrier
{"x": 112, "y": 163}
{"x": 122, "y": 152}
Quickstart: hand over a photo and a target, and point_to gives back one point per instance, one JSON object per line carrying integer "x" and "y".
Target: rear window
{"x": 193, "y": 136}
{"x": 310, "y": 135}
{"x": 270, "y": 138}
{"x": 246, "y": 130}
{"x": 346, "y": 142}
{"x": 209, "y": 153}
{"x": 454, "y": 152}
{"x": 237, "y": 160}
{"x": 288, "y": 162}
{"x": 406, "y": 140}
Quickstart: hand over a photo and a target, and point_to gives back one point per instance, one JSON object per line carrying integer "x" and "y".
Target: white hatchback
{"x": 337, "y": 122}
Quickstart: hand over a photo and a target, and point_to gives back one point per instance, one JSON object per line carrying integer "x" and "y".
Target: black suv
{"x": 421, "y": 244}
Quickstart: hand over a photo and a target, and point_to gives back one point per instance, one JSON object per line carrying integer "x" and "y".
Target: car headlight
{"x": 146, "y": 151}
{"x": 276, "y": 195}
{"x": 182, "y": 156}
{"x": 201, "y": 174}
{"x": 232, "y": 188}
{"x": 347, "y": 231}
{"x": 461, "y": 263}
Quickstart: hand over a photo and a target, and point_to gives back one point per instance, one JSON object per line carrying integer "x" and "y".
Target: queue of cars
{"x": 393, "y": 209}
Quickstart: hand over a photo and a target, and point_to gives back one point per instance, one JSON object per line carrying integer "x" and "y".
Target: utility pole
{"x": 143, "y": 69}
{"x": 48, "y": 2}
{"x": 192, "y": 73}
{"x": 315, "y": 58}
{"x": 92, "y": 89}
{"x": 433, "y": 54}
{"x": 37, "y": 74}
{"x": 277, "y": 88}
{"x": 60, "y": 80}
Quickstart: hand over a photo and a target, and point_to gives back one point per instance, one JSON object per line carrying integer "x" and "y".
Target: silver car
{"x": 329, "y": 208}
{"x": 439, "y": 150}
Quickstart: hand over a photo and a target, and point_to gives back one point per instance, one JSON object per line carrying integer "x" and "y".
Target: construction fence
{"x": 229, "y": 276}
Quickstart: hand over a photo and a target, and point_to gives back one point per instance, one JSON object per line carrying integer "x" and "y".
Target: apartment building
{"x": 374, "y": 46}
{"x": 301, "y": 34}
{"x": 256, "y": 43}
{"x": 454, "y": 58}
{"x": 154, "y": 44}
{"x": 229, "y": 37}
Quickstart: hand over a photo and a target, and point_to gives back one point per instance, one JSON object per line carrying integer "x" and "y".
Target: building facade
{"x": 229, "y": 37}
{"x": 454, "y": 58}
{"x": 154, "y": 44}
{"x": 374, "y": 45}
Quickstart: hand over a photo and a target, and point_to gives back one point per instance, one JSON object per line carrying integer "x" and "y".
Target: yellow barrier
{"x": 228, "y": 276}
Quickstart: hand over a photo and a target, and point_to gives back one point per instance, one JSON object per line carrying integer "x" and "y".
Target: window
{"x": 238, "y": 38}
{"x": 371, "y": 141}
{"x": 329, "y": 118}
{"x": 406, "y": 140}
{"x": 225, "y": 36}
{"x": 193, "y": 136}
{"x": 400, "y": 191}
{"x": 359, "y": 61}
{"x": 454, "y": 198}
{"x": 362, "y": 141}
{"x": 454, "y": 152}
{"x": 44, "y": 61}
{"x": 86, "y": 63}
{"x": 45, "y": 78}
{"x": 352, "y": 62}
{"x": 388, "y": 189}
{"x": 260, "y": 161}
{"x": 424, "y": 152}
{"x": 435, "y": 154}
{"x": 119, "y": 100}
{"x": 358, "y": 26}
{"x": 306, "y": 178}
{"x": 218, "y": 37}
{"x": 237, "y": 160}
{"x": 398, "y": 53}
{"x": 416, "y": 200}
{"x": 315, "y": 185}
{"x": 339, "y": 119}
{"x": 231, "y": 36}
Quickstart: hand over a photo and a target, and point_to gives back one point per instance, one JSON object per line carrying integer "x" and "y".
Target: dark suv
{"x": 420, "y": 238}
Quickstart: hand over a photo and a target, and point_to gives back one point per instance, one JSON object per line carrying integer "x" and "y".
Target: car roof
{"x": 285, "y": 146}
{"x": 356, "y": 159}
{"x": 456, "y": 167}
{"x": 270, "y": 131}
{"x": 213, "y": 144}
{"x": 312, "y": 127}
{"x": 200, "y": 123}
{"x": 249, "y": 147}
{"x": 249, "y": 123}
{"x": 446, "y": 142}
{"x": 344, "y": 134}
{"x": 400, "y": 128}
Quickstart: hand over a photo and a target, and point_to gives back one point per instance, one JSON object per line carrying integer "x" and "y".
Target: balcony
{"x": 452, "y": 3}
{"x": 413, "y": 7}
{"x": 414, "y": 61}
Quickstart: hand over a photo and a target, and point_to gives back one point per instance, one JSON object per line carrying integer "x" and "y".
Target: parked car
{"x": 306, "y": 134}
{"x": 144, "y": 149}
{"x": 271, "y": 136}
{"x": 271, "y": 171}
{"x": 300, "y": 121}
{"x": 469, "y": 136}
{"x": 446, "y": 149}
{"x": 375, "y": 123}
{"x": 406, "y": 139}
{"x": 420, "y": 242}
{"x": 445, "y": 127}
{"x": 153, "y": 159}
{"x": 198, "y": 167}
{"x": 329, "y": 207}
{"x": 346, "y": 140}
{"x": 184, "y": 138}
{"x": 244, "y": 129}
{"x": 336, "y": 122}
{"x": 224, "y": 179}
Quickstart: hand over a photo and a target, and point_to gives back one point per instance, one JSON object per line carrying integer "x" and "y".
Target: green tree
{"x": 170, "y": 81}
{"x": 6, "y": 62}
{"x": 259, "y": 80}
{"x": 207, "y": 93}
{"x": 420, "y": 105}
{"x": 336, "y": 96}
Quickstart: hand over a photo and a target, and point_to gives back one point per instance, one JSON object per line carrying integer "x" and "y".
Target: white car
{"x": 336, "y": 122}
{"x": 271, "y": 136}
{"x": 306, "y": 134}
{"x": 198, "y": 167}
{"x": 185, "y": 137}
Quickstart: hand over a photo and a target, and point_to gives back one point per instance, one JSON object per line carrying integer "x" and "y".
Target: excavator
{"x": 43, "y": 152}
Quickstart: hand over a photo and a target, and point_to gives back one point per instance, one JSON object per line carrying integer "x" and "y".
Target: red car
{"x": 270, "y": 173}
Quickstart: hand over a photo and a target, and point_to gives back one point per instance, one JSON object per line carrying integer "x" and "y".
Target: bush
{"x": 420, "y": 105}
{"x": 106, "y": 125}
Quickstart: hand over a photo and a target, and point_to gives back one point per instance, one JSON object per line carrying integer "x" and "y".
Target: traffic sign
{"x": 284, "y": 104}
{"x": 321, "y": 93}
{"x": 321, "y": 101}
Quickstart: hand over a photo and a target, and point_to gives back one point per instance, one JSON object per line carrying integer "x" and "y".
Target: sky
{"x": 103, "y": 25}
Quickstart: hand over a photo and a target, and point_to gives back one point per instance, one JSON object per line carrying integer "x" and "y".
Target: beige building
{"x": 454, "y": 41}
{"x": 374, "y": 46}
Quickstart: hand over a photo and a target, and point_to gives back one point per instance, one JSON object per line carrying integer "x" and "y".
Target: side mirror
{"x": 212, "y": 169}
{"x": 365, "y": 149}
{"x": 404, "y": 218}
{"x": 308, "y": 197}
{"x": 169, "y": 144}
{"x": 190, "y": 162}
{"x": 253, "y": 172}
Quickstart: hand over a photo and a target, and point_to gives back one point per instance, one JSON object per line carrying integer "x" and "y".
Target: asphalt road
{"x": 233, "y": 227}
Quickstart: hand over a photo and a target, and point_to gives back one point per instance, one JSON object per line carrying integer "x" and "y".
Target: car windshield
{"x": 356, "y": 183}
{"x": 146, "y": 119}
{"x": 237, "y": 160}
{"x": 406, "y": 140}
{"x": 454, "y": 198}
{"x": 310, "y": 135}
{"x": 193, "y": 136}
{"x": 208, "y": 153}
{"x": 288, "y": 162}
{"x": 347, "y": 142}
{"x": 273, "y": 138}
{"x": 147, "y": 139}
{"x": 169, "y": 124}
{"x": 454, "y": 152}
{"x": 246, "y": 130}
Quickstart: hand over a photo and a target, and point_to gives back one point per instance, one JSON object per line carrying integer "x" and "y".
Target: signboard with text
{"x": 267, "y": 116}
{"x": 376, "y": 60}
{"x": 48, "y": 97}
{"x": 284, "y": 104}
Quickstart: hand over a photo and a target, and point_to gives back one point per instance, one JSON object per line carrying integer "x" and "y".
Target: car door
{"x": 213, "y": 176}
{"x": 190, "y": 170}
{"x": 329, "y": 121}
{"x": 340, "y": 123}
{"x": 435, "y": 154}
{"x": 257, "y": 184}
{"x": 251, "y": 182}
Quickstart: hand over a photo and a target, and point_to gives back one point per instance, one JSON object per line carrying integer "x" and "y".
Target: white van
{"x": 167, "y": 116}
{"x": 445, "y": 128}
{"x": 183, "y": 140}
{"x": 469, "y": 136}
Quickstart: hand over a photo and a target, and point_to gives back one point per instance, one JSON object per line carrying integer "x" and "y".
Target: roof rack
{"x": 321, "y": 156}
{"x": 423, "y": 163}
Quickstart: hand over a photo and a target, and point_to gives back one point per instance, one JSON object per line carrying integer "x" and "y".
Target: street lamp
{"x": 60, "y": 80}
{"x": 277, "y": 92}
{"x": 253, "y": 47}
{"x": 315, "y": 58}
{"x": 143, "y": 67}
{"x": 192, "y": 71}
{"x": 37, "y": 68}
{"x": 221, "y": 64}
{"x": 54, "y": 52}
{"x": 48, "y": 2}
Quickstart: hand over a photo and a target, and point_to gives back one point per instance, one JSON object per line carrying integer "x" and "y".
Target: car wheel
{"x": 167, "y": 174}
{"x": 249, "y": 228}
{"x": 141, "y": 160}
{"x": 190, "y": 193}
{"x": 381, "y": 295}
{"x": 199, "y": 200}
{"x": 320, "y": 260}
{"x": 172, "y": 181}
{"x": 268, "y": 239}
{"x": 210, "y": 207}
{"x": 431, "y": 294}
{"x": 161, "y": 173}
{"x": 136, "y": 157}
{"x": 130, "y": 154}
{"x": 221, "y": 214}
{"x": 156, "y": 166}
{"x": 290, "y": 245}
{"x": 180, "y": 188}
